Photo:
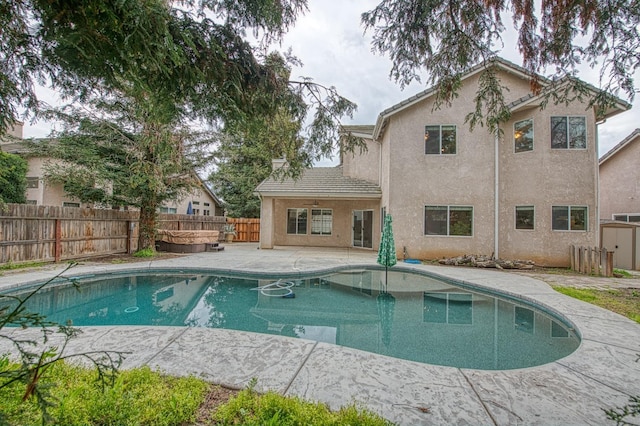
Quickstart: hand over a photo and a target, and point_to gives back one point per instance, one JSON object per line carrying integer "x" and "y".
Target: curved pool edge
{"x": 601, "y": 373}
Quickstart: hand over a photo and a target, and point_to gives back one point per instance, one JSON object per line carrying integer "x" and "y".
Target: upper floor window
{"x": 568, "y": 132}
{"x": 321, "y": 221}
{"x": 33, "y": 182}
{"x": 448, "y": 220}
{"x": 523, "y": 135}
{"x": 569, "y": 218}
{"x": 631, "y": 217}
{"x": 440, "y": 139}
{"x": 196, "y": 203}
{"x": 70, "y": 204}
{"x": 169, "y": 210}
{"x": 297, "y": 221}
{"x": 525, "y": 217}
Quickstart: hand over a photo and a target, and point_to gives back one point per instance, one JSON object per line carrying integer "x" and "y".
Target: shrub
{"x": 250, "y": 408}
{"x": 137, "y": 397}
{"x": 147, "y": 252}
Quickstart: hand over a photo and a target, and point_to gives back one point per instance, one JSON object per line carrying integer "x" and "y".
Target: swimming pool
{"x": 419, "y": 318}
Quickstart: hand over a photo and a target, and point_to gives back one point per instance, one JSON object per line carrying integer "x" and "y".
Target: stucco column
{"x": 267, "y": 223}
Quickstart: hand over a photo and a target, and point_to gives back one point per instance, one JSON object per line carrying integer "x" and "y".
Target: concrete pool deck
{"x": 602, "y": 373}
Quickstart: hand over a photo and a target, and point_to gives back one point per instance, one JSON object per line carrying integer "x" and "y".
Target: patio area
{"x": 602, "y": 373}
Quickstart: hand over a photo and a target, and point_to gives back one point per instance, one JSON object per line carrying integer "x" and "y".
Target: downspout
{"x": 496, "y": 217}
{"x": 597, "y": 150}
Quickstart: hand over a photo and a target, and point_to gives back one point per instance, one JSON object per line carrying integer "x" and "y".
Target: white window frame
{"x": 440, "y": 126}
{"x": 322, "y": 222}
{"x": 568, "y": 134}
{"x": 626, "y": 215}
{"x": 33, "y": 182}
{"x": 298, "y": 210}
{"x": 516, "y": 136}
{"x": 569, "y": 207}
{"x": 515, "y": 212}
{"x": 449, "y": 208}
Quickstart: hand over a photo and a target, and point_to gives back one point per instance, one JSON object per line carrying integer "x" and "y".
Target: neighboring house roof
{"x": 16, "y": 146}
{"x": 320, "y": 182}
{"x": 504, "y": 65}
{"x": 626, "y": 141}
{"x": 208, "y": 190}
{"x": 363, "y": 131}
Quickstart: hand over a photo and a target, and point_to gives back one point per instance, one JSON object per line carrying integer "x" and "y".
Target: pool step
{"x": 214, "y": 247}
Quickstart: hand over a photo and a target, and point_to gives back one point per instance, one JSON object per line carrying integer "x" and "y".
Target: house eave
{"x": 319, "y": 195}
{"x": 503, "y": 64}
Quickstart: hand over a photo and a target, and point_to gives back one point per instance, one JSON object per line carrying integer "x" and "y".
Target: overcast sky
{"x": 331, "y": 43}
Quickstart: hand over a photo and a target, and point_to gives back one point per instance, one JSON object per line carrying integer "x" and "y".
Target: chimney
{"x": 16, "y": 130}
{"x": 278, "y": 163}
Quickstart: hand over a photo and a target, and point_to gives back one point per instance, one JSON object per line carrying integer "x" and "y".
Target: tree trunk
{"x": 147, "y": 237}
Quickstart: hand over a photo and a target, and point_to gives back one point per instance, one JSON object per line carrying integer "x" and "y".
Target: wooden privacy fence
{"x": 188, "y": 222}
{"x": 592, "y": 261}
{"x": 52, "y": 233}
{"x": 247, "y": 230}
{"x": 30, "y": 233}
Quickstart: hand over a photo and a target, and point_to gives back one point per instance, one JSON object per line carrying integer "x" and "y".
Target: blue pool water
{"x": 418, "y": 318}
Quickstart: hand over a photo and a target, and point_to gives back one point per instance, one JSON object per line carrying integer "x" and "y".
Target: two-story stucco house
{"x": 528, "y": 192}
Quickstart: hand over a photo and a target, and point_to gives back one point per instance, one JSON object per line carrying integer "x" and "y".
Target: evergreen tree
{"x": 243, "y": 160}
{"x": 13, "y": 178}
{"x": 142, "y": 69}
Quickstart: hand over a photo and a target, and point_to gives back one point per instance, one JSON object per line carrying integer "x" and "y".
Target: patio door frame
{"x": 366, "y": 228}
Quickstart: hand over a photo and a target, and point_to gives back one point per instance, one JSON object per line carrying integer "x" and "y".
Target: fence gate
{"x": 247, "y": 230}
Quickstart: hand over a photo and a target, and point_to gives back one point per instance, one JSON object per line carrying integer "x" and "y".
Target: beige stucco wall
{"x": 363, "y": 164}
{"x": 620, "y": 181}
{"x": 546, "y": 177}
{"x": 46, "y": 194}
{"x": 542, "y": 177}
{"x": 274, "y": 218}
{"x": 415, "y": 179}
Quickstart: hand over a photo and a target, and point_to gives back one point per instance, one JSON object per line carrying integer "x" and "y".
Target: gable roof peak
{"x": 493, "y": 61}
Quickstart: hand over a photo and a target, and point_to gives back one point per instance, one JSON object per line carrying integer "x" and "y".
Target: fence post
{"x": 58, "y": 243}
{"x": 609, "y": 264}
{"x": 129, "y": 234}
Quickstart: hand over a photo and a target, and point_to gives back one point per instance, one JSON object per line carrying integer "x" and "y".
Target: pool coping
{"x": 602, "y": 373}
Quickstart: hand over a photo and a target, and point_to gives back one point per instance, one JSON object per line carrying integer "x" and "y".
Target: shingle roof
{"x": 320, "y": 182}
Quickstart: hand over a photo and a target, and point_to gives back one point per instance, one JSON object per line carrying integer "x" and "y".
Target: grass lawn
{"x": 624, "y": 301}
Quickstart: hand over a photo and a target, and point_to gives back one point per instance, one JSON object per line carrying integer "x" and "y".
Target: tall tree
{"x": 159, "y": 66}
{"x": 13, "y": 180}
{"x": 445, "y": 38}
{"x": 123, "y": 153}
{"x": 243, "y": 160}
